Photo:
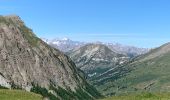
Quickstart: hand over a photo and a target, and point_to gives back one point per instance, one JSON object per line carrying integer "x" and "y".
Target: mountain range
{"x": 67, "y": 44}
{"x": 64, "y": 44}
{"x": 141, "y": 70}
{"x": 100, "y": 62}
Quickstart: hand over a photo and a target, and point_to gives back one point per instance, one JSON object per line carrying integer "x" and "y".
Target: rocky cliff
{"x": 26, "y": 62}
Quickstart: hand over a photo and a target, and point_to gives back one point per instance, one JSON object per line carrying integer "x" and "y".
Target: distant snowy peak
{"x": 66, "y": 44}
{"x": 45, "y": 40}
{"x": 65, "y": 39}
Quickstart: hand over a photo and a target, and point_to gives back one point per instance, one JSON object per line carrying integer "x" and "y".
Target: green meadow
{"x": 18, "y": 95}
{"x": 142, "y": 96}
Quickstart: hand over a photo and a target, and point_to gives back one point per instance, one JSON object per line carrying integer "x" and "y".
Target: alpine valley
{"x": 95, "y": 58}
{"x": 63, "y": 69}
{"x": 114, "y": 72}
{"x": 148, "y": 72}
{"x": 144, "y": 73}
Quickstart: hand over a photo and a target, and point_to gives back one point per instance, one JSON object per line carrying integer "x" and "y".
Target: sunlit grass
{"x": 18, "y": 95}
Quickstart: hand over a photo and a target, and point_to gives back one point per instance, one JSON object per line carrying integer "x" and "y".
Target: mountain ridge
{"x": 94, "y": 59}
{"x": 146, "y": 73}
{"x": 67, "y": 45}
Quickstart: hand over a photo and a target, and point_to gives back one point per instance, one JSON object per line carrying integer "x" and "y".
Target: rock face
{"x": 26, "y": 62}
{"x": 95, "y": 59}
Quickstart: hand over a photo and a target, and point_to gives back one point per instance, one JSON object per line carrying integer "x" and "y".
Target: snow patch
{"x": 4, "y": 82}
{"x": 56, "y": 43}
{"x": 65, "y": 39}
{"x": 90, "y": 75}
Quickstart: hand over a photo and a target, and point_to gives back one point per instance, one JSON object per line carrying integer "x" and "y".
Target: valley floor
{"x": 18, "y": 95}
{"x": 143, "y": 96}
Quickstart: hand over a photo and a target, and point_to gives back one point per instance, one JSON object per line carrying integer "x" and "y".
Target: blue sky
{"x": 142, "y": 23}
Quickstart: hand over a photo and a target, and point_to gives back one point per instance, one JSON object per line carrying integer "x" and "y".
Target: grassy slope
{"x": 143, "y": 96}
{"x": 18, "y": 95}
{"x": 150, "y": 75}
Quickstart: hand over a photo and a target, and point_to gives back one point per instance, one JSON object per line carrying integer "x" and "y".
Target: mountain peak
{"x": 13, "y": 16}
{"x": 93, "y": 57}
{"x": 11, "y": 19}
{"x": 65, "y": 39}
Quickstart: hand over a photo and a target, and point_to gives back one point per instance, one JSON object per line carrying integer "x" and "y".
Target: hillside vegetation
{"x": 18, "y": 95}
{"x": 146, "y": 73}
{"x": 143, "y": 96}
